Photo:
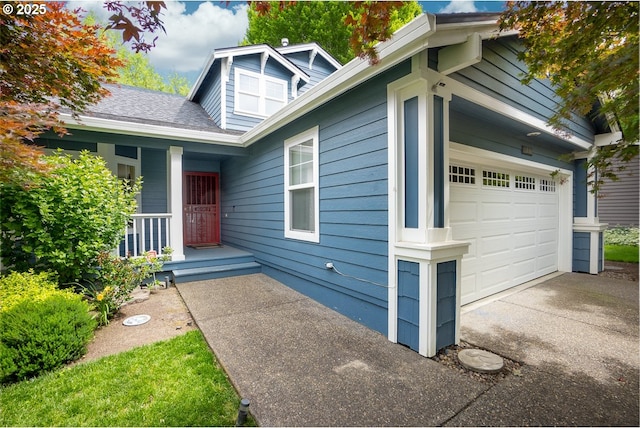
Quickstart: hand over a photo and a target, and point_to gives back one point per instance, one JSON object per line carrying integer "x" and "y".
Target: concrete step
{"x": 213, "y": 272}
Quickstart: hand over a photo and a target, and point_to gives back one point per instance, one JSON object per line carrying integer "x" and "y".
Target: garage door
{"x": 511, "y": 220}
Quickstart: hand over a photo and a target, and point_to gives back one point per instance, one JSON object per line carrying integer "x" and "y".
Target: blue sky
{"x": 195, "y": 28}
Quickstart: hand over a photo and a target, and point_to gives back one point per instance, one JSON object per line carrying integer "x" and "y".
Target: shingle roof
{"x": 136, "y": 105}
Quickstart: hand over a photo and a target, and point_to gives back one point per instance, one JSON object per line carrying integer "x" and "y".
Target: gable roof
{"x": 313, "y": 48}
{"x": 262, "y": 49}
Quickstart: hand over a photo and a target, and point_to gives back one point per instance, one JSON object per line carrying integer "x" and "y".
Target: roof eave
{"x": 150, "y": 131}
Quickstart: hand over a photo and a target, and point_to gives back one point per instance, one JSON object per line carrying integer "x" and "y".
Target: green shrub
{"x": 40, "y": 336}
{"x": 64, "y": 219}
{"x": 621, "y": 236}
{"x": 117, "y": 278}
{"x": 18, "y": 286}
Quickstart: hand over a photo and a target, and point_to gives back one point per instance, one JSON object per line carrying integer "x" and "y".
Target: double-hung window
{"x": 257, "y": 94}
{"x": 301, "y": 186}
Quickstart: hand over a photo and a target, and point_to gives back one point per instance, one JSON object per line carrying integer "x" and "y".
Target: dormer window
{"x": 257, "y": 94}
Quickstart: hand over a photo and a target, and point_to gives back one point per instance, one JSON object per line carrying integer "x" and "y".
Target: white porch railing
{"x": 146, "y": 232}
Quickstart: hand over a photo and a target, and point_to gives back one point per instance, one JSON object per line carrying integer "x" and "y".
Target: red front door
{"x": 201, "y": 192}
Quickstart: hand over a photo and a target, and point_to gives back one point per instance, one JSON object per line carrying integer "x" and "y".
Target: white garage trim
{"x": 490, "y": 161}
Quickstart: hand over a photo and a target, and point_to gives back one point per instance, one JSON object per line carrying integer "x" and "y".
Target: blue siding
{"x": 581, "y": 251}
{"x": 499, "y": 74}
{"x": 411, "y": 157}
{"x": 153, "y": 165}
{"x": 209, "y": 93}
{"x": 487, "y": 133}
{"x": 409, "y": 304}
{"x": 126, "y": 151}
{"x": 201, "y": 163}
{"x": 353, "y": 204}
{"x": 439, "y": 175}
{"x": 50, "y": 140}
{"x": 319, "y": 71}
{"x": 580, "y": 191}
{"x": 446, "y": 306}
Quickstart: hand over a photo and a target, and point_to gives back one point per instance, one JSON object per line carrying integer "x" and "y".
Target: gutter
{"x": 146, "y": 130}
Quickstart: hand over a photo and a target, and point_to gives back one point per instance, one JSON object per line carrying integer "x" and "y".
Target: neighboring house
{"x": 618, "y": 201}
{"x": 426, "y": 179}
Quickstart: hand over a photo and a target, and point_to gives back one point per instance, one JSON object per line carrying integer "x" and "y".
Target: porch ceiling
{"x": 465, "y": 114}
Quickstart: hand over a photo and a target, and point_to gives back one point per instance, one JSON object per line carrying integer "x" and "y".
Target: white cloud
{"x": 460, "y": 6}
{"x": 190, "y": 38}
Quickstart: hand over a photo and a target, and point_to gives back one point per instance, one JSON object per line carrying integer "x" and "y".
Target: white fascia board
{"x": 200, "y": 79}
{"x": 453, "y": 34}
{"x": 488, "y": 102}
{"x": 608, "y": 139}
{"x": 307, "y": 47}
{"x": 406, "y": 42}
{"x": 146, "y": 130}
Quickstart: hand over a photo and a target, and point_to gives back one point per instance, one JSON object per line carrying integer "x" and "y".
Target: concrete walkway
{"x": 302, "y": 364}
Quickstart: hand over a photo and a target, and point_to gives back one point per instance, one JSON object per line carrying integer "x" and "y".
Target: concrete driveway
{"x": 302, "y": 364}
{"x": 578, "y": 337}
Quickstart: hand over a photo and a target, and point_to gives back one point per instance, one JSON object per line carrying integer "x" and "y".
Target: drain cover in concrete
{"x": 480, "y": 361}
{"x": 136, "y": 320}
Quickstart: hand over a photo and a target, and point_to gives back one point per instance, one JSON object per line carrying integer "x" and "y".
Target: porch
{"x": 210, "y": 263}
{"x": 156, "y": 231}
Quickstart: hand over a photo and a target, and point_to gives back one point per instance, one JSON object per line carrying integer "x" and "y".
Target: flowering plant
{"x": 118, "y": 277}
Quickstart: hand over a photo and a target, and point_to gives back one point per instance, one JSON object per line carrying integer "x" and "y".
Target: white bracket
{"x": 456, "y": 57}
{"x": 312, "y": 55}
{"x": 226, "y": 68}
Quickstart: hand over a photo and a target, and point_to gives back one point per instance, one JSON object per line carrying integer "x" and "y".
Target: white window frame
{"x": 289, "y": 232}
{"x": 262, "y": 92}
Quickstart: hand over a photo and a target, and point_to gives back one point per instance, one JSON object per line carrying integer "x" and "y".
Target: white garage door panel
{"x": 514, "y": 235}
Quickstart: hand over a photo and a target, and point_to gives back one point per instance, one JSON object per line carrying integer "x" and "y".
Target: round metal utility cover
{"x": 136, "y": 320}
{"x": 480, "y": 361}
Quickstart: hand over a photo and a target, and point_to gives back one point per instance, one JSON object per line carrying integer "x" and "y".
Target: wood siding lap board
{"x": 499, "y": 73}
{"x": 153, "y": 165}
{"x": 319, "y": 71}
{"x": 619, "y": 200}
{"x": 409, "y": 304}
{"x": 353, "y": 204}
{"x": 581, "y": 251}
{"x": 476, "y": 132}
{"x": 210, "y": 94}
{"x": 446, "y": 306}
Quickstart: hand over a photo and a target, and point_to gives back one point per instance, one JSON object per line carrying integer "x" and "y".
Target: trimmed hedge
{"x": 40, "y": 336}
{"x": 41, "y": 327}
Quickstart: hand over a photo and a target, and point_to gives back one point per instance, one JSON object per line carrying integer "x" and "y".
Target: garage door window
{"x": 547, "y": 185}
{"x": 462, "y": 174}
{"x": 525, "y": 183}
{"x": 495, "y": 179}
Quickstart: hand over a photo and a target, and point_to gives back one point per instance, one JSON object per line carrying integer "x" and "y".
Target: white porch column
{"x": 175, "y": 201}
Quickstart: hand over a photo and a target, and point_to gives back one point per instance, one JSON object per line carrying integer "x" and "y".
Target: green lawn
{"x": 171, "y": 383}
{"x": 621, "y": 253}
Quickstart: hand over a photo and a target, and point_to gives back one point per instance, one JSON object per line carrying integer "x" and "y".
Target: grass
{"x": 621, "y": 253}
{"x": 172, "y": 383}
